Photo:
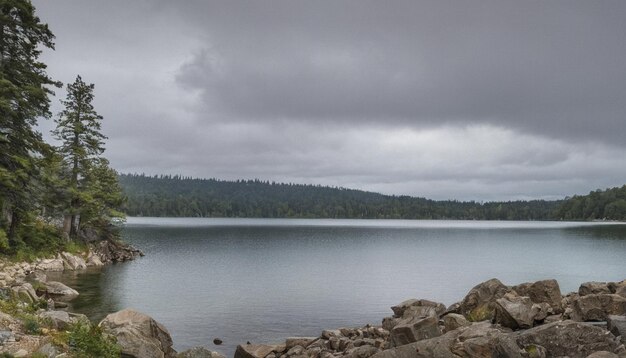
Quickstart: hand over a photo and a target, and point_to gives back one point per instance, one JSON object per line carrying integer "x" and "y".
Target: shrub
{"x": 87, "y": 341}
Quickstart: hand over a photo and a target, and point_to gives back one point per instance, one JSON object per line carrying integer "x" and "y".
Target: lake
{"x": 262, "y": 280}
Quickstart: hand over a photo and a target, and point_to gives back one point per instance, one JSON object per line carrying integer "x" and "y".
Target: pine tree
{"x": 78, "y": 129}
{"x": 24, "y": 91}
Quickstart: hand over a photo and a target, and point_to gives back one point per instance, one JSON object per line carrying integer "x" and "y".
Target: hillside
{"x": 187, "y": 197}
{"x": 609, "y": 204}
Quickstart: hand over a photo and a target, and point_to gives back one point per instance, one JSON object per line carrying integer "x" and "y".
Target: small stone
{"x": 217, "y": 341}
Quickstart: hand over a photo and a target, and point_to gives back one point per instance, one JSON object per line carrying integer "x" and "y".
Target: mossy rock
{"x": 481, "y": 313}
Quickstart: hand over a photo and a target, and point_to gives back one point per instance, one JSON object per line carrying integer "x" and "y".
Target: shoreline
{"x": 531, "y": 319}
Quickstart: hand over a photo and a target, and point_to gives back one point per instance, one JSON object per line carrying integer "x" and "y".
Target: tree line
{"x": 180, "y": 196}
{"x": 47, "y": 192}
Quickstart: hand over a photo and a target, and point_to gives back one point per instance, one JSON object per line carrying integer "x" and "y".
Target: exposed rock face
{"x": 114, "y": 251}
{"x": 569, "y": 338}
{"x": 138, "y": 334}
{"x": 545, "y": 291}
{"x": 597, "y": 307}
{"x": 25, "y": 292}
{"x": 479, "y": 303}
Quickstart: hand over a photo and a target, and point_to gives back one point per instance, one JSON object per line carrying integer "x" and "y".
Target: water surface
{"x": 262, "y": 280}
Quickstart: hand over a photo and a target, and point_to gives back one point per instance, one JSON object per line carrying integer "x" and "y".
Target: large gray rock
{"x": 514, "y": 311}
{"x": 418, "y": 308}
{"x": 60, "y": 290}
{"x": 479, "y": 303}
{"x": 617, "y": 326}
{"x": 50, "y": 265}
{"x": 569, "y": 338}
{"x": 199, "y": 352}
{"x": 57, "y": 319}
{"x": 597, "y": 307}
{"x": 298, "y": 341}
{"x": 73, "y": 262}
{"x": 593, "y": 288}
{"x": 257, "y": 350}
{"x": 138, "y": 334}
{"x": 603, "y": 354}
{"x": 414, "y": 329}
{"x": 25, "y": 292}
{"x": 545, "y": 291}
{"x": 452, "y": 321}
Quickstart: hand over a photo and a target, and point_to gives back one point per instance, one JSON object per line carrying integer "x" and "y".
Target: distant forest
{"x": 178, "y": 196}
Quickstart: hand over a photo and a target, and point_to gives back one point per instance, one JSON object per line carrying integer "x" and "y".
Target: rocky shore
{"x": 493, "y": 320}
{"x": 529, "y": 320}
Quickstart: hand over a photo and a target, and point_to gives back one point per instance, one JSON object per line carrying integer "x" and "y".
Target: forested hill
{"x": 609, "y": 204}
{"x": 187, "y": 197}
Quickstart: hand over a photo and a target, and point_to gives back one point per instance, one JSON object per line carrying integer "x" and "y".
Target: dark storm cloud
{"x": 445, "y": 99}
{"x": 554, "y": 67}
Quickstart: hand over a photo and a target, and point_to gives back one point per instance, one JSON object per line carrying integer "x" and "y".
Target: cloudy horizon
{"x": 475, "y": 100}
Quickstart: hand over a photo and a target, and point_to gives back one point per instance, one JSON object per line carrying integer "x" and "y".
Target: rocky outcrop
{"x": 138, "y": 334}
{"x": 545, "y": 291}
{"x": 597, "y": 307}
{"x": 109, "y": 251}
{"x": 570, "y": 339}
{"x": 479, "y": 303}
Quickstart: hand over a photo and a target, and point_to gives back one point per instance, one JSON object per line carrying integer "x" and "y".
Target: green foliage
{"x": 4, "y": 241}
{"x": 31, "y": 324}
{"x": 178, "y": 196}
{"x": 87, "y": 341}
{"x": 609, "y": 204}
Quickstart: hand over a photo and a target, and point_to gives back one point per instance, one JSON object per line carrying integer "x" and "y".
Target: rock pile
{"x": 530, "y": 320}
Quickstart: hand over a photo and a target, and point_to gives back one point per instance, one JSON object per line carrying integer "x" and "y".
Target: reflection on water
{"x": 262, "y": 280}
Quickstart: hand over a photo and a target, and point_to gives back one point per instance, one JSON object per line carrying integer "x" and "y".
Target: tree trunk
{"x": 12, "y": 234}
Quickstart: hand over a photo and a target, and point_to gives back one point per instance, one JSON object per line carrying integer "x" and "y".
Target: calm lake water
{"x": 262, "y": 280}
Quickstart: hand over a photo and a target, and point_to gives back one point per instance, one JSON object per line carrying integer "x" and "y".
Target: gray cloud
{"x": 445, "y": 99}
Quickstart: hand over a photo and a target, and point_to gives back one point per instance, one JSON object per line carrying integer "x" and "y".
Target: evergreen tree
{"x": 24, "y": 91}
{"x": 78, "y": 129}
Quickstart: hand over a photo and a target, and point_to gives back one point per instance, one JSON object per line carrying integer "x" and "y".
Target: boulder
{"x": 569, "y": 338}
{"x": 514, "y": 312}
{"x": 50, "y": 265}
{"x": 617, "y": 326}
{"x": 418, "y": 308}
{"x": 73, "y": 262}
{"x": 60, "y": 290}
{"x": 25, "y": 292}
{"x": 199, "y": 352}
{"x": 94, "y": 260}
{"x": 414, "y": 329}
{"x": 452, "y": 321}
{"x": 593, "y": 288}
{"x": 597, "y": 307}
{"x": 57, "y": 319}
{"x": 545, "y": 291}
{"x": 257, "y": 350}
{"x": 479, "y": 303}
{"x": 139, "y": 335}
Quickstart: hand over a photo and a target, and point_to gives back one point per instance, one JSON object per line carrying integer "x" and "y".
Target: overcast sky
{"x": 482, "y": 100}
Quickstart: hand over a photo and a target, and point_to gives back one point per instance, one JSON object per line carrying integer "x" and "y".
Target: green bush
{"x": 4, "y": 241}
{"x": 31, "y": 324}
{"x": 87, "y": 341}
